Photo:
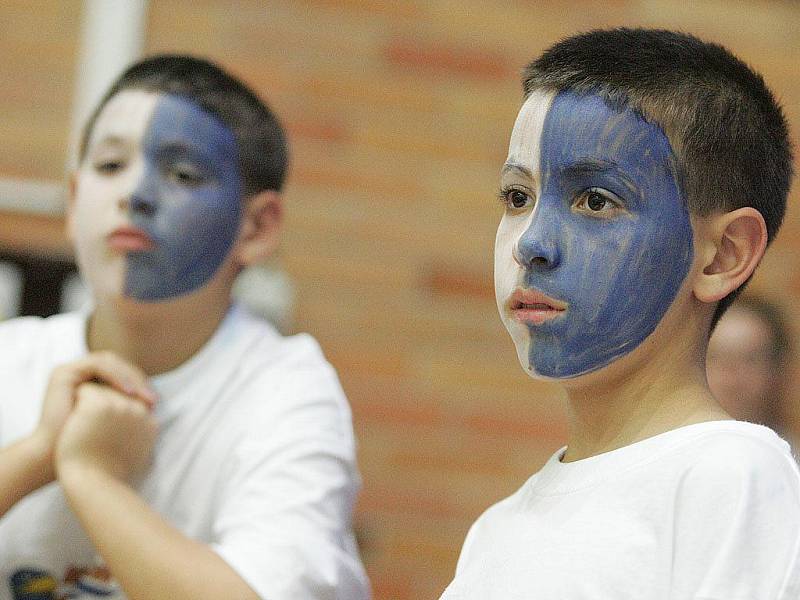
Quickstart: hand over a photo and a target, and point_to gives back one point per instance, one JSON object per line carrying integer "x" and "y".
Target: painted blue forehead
{"x": 592, "y": 131}
{"x": 182, "y": 122}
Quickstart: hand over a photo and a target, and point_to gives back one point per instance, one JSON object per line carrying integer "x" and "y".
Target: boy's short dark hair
{"x": 263, "y": 153}
{"x": 727, "y": 132}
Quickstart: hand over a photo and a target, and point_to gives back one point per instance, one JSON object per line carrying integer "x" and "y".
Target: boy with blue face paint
{"x": 647, "y": 172}
{"x": 165, "y": 443}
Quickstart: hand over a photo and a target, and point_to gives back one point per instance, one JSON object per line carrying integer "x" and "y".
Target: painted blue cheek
{"x": 619, "y": 276}
{"x": 193, "y": 227}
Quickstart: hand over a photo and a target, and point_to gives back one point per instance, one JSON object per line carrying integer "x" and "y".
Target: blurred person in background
{"x": 166, "y": 443}
{"x": 748, "y": 359}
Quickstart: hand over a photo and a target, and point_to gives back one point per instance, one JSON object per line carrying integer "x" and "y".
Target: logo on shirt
{"x": 80, "y": 583}
{"x": 33, "y": 584}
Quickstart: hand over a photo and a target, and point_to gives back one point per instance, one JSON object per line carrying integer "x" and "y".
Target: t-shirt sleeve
{"x": 737, "y": 526}
{"x": 26, "y": 360}
{"x": 285, "y": 517}
{"x": 466, "y": 549}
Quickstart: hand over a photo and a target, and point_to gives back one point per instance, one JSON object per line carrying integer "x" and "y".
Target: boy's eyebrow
{"x": 584, "y": 166}
{"x": 111, "y": 140}
{"x": 175, "y": 146}
{"x": 178, "y": 146}
{"x": 516, "y": 167}
{"x": 590, "y": 166}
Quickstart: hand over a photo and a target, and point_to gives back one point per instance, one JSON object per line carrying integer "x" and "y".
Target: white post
{"x": 112, "y": 37}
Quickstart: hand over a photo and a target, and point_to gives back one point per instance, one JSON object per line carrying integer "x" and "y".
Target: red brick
{"x": 544, "y": 430}
{"x": 325, "y": 131}
{"x": 449, "y": 281}
{"x": 480, "y": 63}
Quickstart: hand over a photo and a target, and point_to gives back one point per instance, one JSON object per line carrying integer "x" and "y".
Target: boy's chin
{"x": 556, "y": 373}
{"x": 523, "y": 354}
{"x": 531, "y": 370}
{"x": 125, "y": 301}
{"x": 614, "y": 371}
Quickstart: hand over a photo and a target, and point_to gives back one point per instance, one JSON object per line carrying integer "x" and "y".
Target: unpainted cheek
{"x": 103, "y": 270}
{"x": 507, "y": 273}
{"x": 508, "y": 276}
{"x": 91, "y": 214}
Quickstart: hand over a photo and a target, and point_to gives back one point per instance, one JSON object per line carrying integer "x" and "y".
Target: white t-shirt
{"x": 706, "y": 512}
{"x": 255, "y": 456}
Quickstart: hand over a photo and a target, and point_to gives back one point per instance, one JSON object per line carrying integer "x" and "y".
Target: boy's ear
{"x": 733, "y": 245}
{"x": 261, "y": 227}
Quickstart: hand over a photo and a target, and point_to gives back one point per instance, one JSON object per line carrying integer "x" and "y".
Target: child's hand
{"x": 104, "y": 367}
{"x": 61, "y": 393}
{"x": 108, "y": 432}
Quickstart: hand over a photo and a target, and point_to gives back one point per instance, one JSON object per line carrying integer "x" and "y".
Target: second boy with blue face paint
{"x": 165, "y": 443}
{"x": 646, "y": 173}
{"x": 174, "y": 169}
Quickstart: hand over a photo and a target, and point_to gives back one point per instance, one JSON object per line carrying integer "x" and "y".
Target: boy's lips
{"x": 533, "y": 307}
{"x": 129, "y": 239}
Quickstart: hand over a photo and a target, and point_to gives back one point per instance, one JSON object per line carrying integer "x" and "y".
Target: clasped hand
{"x": 97, "y": 415}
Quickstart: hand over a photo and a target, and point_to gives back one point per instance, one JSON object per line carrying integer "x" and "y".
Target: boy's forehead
{"x": 126, "y": 115}
{"x": 566, "y": 127}
{"x": 183, "y": 121}
{"x": 523, "y": 149}
{"x": 133, "y": 116}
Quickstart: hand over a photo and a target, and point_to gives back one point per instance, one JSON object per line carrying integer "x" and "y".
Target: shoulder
{"x": 30, "y": 347}
{"x": 254, "y": 354}
{"x": 288, "y": 382}
{"x": 736, "y": 510}
{"x": 743, "y": 456}
{"x": 21, "y": 328}
{"x": 741, "y": 477}
{"x": 504, "y": 516}
{"x": 66, "y": 323}
{"x": 495, "y": 526}
{"x": 265, "y": 348}
{"x": 58, "y": 337}
{"x": 293, "y": 368}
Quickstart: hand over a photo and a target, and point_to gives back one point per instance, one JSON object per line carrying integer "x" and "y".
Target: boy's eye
{"x": 514, "y": 198}
{"x": 599, "y": 202}
{"x": 517, "y": 199}
{"x": 595, "y": 201}
{"x": 108, "y": 167}
{"x": 187, "y": 176}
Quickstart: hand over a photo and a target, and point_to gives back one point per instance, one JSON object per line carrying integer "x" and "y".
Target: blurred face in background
{"x": 157, "y": 199}
{"x": 743, "y": 373}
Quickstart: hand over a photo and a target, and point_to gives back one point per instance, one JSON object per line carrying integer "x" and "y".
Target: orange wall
{"x": 399, "y": 113}
{"x": 38, "y": 46}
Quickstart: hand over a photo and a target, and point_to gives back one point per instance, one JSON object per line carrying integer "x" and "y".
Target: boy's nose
{"x": 141, "y": 204}
{"x": 534, "y": 251}
{"x": 138, "y": 204}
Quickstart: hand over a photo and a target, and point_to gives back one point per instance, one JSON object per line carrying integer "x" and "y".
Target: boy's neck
{"x": 641, "y": 400}
{"x": 157, "y": 338}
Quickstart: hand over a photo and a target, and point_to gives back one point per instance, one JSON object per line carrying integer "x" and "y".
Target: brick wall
{"x": 399, "y": 114}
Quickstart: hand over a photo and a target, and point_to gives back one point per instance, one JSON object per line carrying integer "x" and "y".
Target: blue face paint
{"x": 188, "y": 201}
{"x": 618, "y": 274}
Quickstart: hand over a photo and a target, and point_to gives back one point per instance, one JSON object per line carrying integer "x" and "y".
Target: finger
{"x": 115, "y": 372}
{"x": 102, "y": 397}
